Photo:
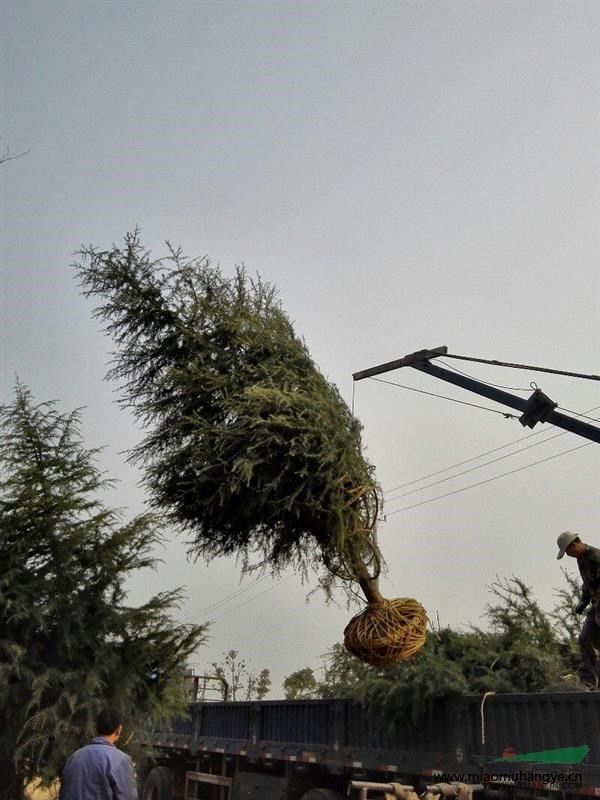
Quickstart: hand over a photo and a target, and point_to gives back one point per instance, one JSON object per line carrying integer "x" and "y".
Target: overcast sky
{"x": 408, "y": 174}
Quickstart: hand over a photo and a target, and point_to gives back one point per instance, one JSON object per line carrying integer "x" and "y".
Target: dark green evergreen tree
{"x": 69, "y": 642}
{"x": 342, "y": 673}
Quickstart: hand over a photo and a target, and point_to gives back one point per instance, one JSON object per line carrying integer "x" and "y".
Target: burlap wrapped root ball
{"x": 387, "y": 632}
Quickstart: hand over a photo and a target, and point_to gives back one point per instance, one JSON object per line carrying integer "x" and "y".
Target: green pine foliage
{"x": 248, "y": 447}
{"x": 69, "y": 642}
{"x": 343, "y": 672}
{"x": 566, "y": 622}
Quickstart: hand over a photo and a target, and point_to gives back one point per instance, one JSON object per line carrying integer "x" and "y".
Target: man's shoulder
{"x": 98, "y": 750}
{"x": 592, "y": 554}
{"x": 88, "y": 750}
{"x": 108, "y": 750}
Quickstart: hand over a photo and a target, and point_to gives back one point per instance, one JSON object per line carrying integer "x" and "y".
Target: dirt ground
{"x": 34, "y": 793}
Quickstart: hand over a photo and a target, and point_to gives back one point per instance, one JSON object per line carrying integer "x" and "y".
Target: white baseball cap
{"x": 564, "y": 540}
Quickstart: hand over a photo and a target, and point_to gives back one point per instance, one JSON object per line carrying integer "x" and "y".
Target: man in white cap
{"x": 588, "y": 561}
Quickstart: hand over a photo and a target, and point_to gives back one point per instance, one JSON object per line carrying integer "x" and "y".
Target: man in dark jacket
{"x": 99, "y": 771}
{"x": 588, "y": 561}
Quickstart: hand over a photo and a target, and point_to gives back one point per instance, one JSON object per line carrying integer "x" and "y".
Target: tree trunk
{"x": 11, "y": 780}
{"x": 369, "y": 585}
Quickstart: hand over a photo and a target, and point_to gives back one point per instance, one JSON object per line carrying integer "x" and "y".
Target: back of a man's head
{"x": 107, "y": 722}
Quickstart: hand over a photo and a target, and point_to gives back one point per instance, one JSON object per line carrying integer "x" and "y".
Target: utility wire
{"x": 466, "y": 461}
{"x": 254, "y": 597}
{"x": 524, "y": 366}
{"x": 472, "y": 469}
{"x": 444, "y": 397}
{"x": 585, "y": 416}
{"x": 485, "y": 464}
{"x": 488, "y": 480}
{"x": 227, "y": 598}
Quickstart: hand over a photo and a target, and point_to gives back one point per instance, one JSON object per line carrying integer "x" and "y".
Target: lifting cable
{"x": 523, "y": 366}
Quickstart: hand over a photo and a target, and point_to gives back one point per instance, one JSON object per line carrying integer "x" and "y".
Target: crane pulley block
{"x": 537, "y": 408}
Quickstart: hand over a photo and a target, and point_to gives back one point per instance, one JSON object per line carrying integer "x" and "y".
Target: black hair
{"x": 107, "y": 721}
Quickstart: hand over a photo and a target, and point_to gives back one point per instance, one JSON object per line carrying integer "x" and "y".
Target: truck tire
{"x": 158, "y": 784}
{"x": 321, "y": 794}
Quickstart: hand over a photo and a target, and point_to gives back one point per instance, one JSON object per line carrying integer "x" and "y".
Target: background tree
{"x": 241, "y": 682}
{"x": 342, "y": 672}
{"x": 525, "y": 638}
{"x": 258, "y": 685}
{"x": 69, "y": 642}
{"x": 301, "y": 684}
{"x": 233, "y": 670}
{"x": 567, "y": 623}
{"x": 5, "y": 155}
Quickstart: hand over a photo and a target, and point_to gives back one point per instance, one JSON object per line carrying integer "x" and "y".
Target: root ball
{"x": 386, "y": 633}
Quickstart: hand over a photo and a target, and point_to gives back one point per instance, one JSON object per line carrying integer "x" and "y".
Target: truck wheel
{"x": 158, "y": 784}
{"x": 321, "y": 794}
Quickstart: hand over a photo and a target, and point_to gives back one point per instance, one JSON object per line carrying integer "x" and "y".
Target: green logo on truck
{"x": 564, "y": 755}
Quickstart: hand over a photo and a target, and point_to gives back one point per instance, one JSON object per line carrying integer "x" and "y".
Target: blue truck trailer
{"x": 490, "y": 747}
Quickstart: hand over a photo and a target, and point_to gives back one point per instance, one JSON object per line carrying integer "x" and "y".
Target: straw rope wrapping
{"x": 388, "y": 632}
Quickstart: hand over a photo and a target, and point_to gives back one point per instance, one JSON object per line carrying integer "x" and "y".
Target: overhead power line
{"x": 486, "y": 463}
{"x": 585, "y": 416}
{"x": 254, "y": 597}
{"x": 466, "y": 461}
{"x": 479, "y": 466}
{"x": 488, "y": 480}
{"x": 227, "y": 598}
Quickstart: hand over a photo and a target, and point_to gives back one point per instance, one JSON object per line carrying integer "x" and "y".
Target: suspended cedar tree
{"x": 248, "y": 447}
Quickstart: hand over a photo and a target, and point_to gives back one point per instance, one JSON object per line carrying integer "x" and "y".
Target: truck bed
{"x": 461, "y": 735}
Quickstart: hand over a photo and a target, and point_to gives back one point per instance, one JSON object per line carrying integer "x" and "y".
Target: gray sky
{"x": 408, "y": 174}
